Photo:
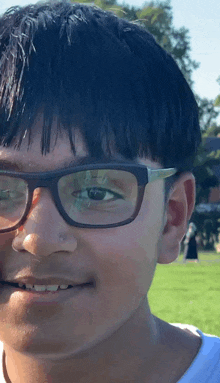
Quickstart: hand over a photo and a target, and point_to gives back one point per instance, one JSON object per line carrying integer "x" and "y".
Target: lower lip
{"x": 46, "y": 296}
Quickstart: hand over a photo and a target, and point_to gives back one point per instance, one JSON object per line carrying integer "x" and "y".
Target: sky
{"x": 202, "y": 18}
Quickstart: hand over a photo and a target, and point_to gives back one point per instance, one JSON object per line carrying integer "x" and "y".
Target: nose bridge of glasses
{"x": 43, "y": 183}
{"x": 37, "y": 186}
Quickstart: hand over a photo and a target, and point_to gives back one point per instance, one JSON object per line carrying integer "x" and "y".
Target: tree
{"x": 207, "y": 112}
{"x": 217, "y": 100}
{"x": 205, "y": 177}
{"x": 212, "y": 131}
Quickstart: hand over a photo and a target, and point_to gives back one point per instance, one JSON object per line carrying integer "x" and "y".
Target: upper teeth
{"x": 43, "y": 287}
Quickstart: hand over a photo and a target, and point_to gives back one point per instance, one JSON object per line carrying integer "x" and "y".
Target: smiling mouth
{"x": 89, "y": 284}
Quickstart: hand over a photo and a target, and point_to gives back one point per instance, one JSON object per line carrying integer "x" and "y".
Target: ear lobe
{"x": 169, "y": 244}
{"x": 168, "y": 254}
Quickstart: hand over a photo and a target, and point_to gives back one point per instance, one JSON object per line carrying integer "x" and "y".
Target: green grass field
{"x": 188, "y": 293}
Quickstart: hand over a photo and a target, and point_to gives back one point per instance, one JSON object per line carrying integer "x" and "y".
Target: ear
{"x": 180, "y": 206}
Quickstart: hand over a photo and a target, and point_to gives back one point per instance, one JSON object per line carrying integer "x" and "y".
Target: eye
{"x": 97, "y": 194}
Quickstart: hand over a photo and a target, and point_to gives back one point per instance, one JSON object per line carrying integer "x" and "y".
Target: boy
{"x": 99, "y": 131}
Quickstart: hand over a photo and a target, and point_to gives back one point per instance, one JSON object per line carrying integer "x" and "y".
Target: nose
{"x": 45, "y": 232}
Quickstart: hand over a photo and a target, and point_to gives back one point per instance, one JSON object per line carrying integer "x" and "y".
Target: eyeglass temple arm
{"x": 156, "y": 174}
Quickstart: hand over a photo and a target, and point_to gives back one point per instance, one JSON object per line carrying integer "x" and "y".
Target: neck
{"x": 126, "y": 355}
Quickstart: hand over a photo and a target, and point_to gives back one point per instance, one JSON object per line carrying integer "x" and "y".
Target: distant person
{"x": 190, "y": 251}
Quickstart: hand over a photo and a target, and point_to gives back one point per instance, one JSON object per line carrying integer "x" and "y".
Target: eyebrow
{"x": 9, "y": 165}
{"x": 6, "y": 164}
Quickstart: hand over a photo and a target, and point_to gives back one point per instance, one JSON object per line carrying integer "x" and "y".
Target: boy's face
{"x": 121, "y": 260}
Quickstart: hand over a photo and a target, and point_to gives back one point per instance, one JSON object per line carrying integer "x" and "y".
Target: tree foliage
{"x": 212, "y": 131}
{"x": 203, "y": 172}
{"x": 217, "y": 100}
{"x": 207, "y": 113}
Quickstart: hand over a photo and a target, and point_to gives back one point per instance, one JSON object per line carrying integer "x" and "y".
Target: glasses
{"x": 89, "y": 196}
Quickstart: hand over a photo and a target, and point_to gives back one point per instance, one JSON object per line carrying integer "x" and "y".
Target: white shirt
{"x": 205, "y": 368}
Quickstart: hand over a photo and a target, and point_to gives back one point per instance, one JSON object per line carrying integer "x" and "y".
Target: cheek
{"x": 6, "y": 241}
{"x": 5, "y": 249}
{"x": 126, "y": 256}
{"x": 125, "y": 262}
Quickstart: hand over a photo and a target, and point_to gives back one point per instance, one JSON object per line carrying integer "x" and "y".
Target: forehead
{"x": 30, "y": 159}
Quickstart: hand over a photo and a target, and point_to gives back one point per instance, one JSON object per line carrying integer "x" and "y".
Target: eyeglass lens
{"x": 95, "y": 197}
{"x": 13, "y": 200}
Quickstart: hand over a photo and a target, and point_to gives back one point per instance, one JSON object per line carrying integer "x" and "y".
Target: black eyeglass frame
{"x": 143, "y": 174}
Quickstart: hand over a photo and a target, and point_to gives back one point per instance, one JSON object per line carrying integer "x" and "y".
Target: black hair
{"x": 103, "y": 75}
